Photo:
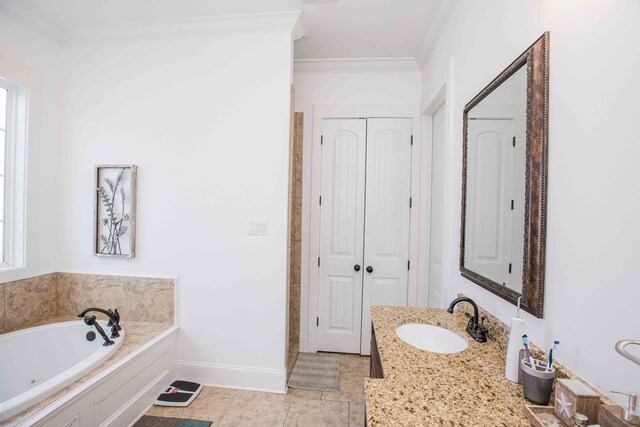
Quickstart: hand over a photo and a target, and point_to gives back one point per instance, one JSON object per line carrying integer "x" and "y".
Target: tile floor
{"x": 307, "y": 408}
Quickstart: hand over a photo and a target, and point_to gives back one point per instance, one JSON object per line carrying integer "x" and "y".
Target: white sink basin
{"x": 431, "y": 338}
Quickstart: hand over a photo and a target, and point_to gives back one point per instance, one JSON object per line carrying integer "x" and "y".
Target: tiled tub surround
{"x": 25, "y": 303}
{"x": 137, "y": 335}
{"x": 462, "y": 389}
{"x": 145, "y": 304}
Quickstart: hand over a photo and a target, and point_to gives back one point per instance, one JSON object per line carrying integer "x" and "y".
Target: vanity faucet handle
{"x": 484, "y": 328}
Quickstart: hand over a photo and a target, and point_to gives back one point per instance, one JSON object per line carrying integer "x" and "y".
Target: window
{"x": 13, "y": 130}
{"x": 3, "y": 169}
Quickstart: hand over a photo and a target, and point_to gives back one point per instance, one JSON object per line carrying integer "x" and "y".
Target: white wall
{"x": 31, "y": 60}
{"x": 207, "y": 122}
{"x": 350, "y": 87}
{"x": 591, "y": 291}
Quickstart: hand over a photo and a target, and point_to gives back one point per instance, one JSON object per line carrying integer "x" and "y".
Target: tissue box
{"x": 573, "y": 396}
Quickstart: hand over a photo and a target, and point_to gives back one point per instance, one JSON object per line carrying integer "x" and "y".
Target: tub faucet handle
{"x": 114, "y": 322}
{"x": 114, "y": 319}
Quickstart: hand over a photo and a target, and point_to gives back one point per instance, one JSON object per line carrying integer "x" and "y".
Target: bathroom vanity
{"x": 425, "y": 388}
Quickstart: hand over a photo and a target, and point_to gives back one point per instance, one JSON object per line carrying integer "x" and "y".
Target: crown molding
{"x": 195, "y": 27}
{"x": 354, "y": 65}
{"x": 39, "y": 23}
{"x": 299, "y": 28}
{"x": 289, "y": 21}
{"x": 439, "y": 18}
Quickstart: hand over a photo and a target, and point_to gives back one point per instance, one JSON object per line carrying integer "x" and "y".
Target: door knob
{"x": 356, "y": 267}
{"x": 369, "y": 269}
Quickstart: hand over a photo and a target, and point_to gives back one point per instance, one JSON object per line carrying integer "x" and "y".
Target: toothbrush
{"x": 525, "y": 341}
{"x": 556, "y": 343}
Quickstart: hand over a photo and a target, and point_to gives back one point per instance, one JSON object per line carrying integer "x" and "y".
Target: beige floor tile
{"x": 317, "y": 413}
{"x": 228, "y": 407}
{"x": 345, "y": 361}
{"x": 360, "y": 365}
{"x": 304, "y": 394}
{"x": 231, "y": 408}
{"x": 351, "y": 386}
{"x": 350, "y": 390}
{"x": 356, "y": 415}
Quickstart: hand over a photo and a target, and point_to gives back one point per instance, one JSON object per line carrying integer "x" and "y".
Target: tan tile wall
{"x": 295, "y": 236}
{"x": 27, "y": 302}
{"x": 142, "y": 299}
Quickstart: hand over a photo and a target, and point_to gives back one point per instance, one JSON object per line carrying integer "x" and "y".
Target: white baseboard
{"x": 228, "y": 376}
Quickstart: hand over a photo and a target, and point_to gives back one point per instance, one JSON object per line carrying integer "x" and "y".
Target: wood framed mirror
{"x": 504, "y": 181}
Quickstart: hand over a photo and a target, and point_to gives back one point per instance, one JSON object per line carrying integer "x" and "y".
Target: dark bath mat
{"x": 149, "y": 421}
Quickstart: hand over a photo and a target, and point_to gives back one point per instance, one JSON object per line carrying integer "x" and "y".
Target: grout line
{"x": 287, "y": 416}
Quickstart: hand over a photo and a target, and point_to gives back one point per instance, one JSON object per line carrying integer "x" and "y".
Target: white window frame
{"x": 15, "y": 175}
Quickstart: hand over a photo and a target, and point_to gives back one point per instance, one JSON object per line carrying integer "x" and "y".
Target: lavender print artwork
{"x": 115, "y": 210}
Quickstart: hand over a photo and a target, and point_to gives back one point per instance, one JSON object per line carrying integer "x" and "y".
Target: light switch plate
{"x": 258, "y": 227}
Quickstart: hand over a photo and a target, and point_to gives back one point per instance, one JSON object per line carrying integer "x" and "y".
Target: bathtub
{"x": 37, "y": 362}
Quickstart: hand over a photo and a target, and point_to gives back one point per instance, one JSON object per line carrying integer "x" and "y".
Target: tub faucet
{"x": 113, "y": 315}
{"x": 477, "y": 330}
{"x": 91, "y": 321}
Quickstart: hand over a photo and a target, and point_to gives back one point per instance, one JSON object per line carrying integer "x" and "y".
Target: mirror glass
{"x": 496, "y": 163}
{"x": 504, "y": 181}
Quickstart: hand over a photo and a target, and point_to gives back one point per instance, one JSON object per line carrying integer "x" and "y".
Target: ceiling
{"x": 338, "y": 29}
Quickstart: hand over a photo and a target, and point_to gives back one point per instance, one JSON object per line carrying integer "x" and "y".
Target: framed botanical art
{"x": 114, "y": 233}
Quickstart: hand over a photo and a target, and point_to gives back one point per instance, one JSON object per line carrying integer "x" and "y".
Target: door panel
{"x": 341, "y": 303}
{"x": 342, "y": 233}
{"x": 490, "y": 168}
{"x": 386, "y": 242}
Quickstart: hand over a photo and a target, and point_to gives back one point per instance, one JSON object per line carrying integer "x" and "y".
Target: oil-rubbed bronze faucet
{"x": 113, "y": 315}
{"x": 91, "y": 321}
{"x": 474, "y": 328}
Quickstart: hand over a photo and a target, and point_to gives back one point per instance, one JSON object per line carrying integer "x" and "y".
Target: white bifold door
{"x": 364, "y": 229}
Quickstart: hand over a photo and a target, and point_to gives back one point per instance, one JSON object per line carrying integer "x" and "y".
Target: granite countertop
{"x": 136, "y": 334}
{"x": 421, "y": 388}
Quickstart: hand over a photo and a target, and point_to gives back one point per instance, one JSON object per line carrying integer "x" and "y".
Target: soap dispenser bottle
{"x": 631, "y": 413}
{"x": 512, "y": 365}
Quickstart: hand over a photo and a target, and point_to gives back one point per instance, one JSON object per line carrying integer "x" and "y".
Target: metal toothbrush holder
{"x": 537, "y": 381}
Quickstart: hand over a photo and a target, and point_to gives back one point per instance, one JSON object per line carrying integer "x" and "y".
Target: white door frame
{"x": 451, "y": 200}
{"x": 321, "y": 112}
{"x": 439, "y": 100}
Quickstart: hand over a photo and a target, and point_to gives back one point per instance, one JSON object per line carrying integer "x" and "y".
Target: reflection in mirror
{"x": 504, "y": 181}
{"x": 496, "y": 159}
